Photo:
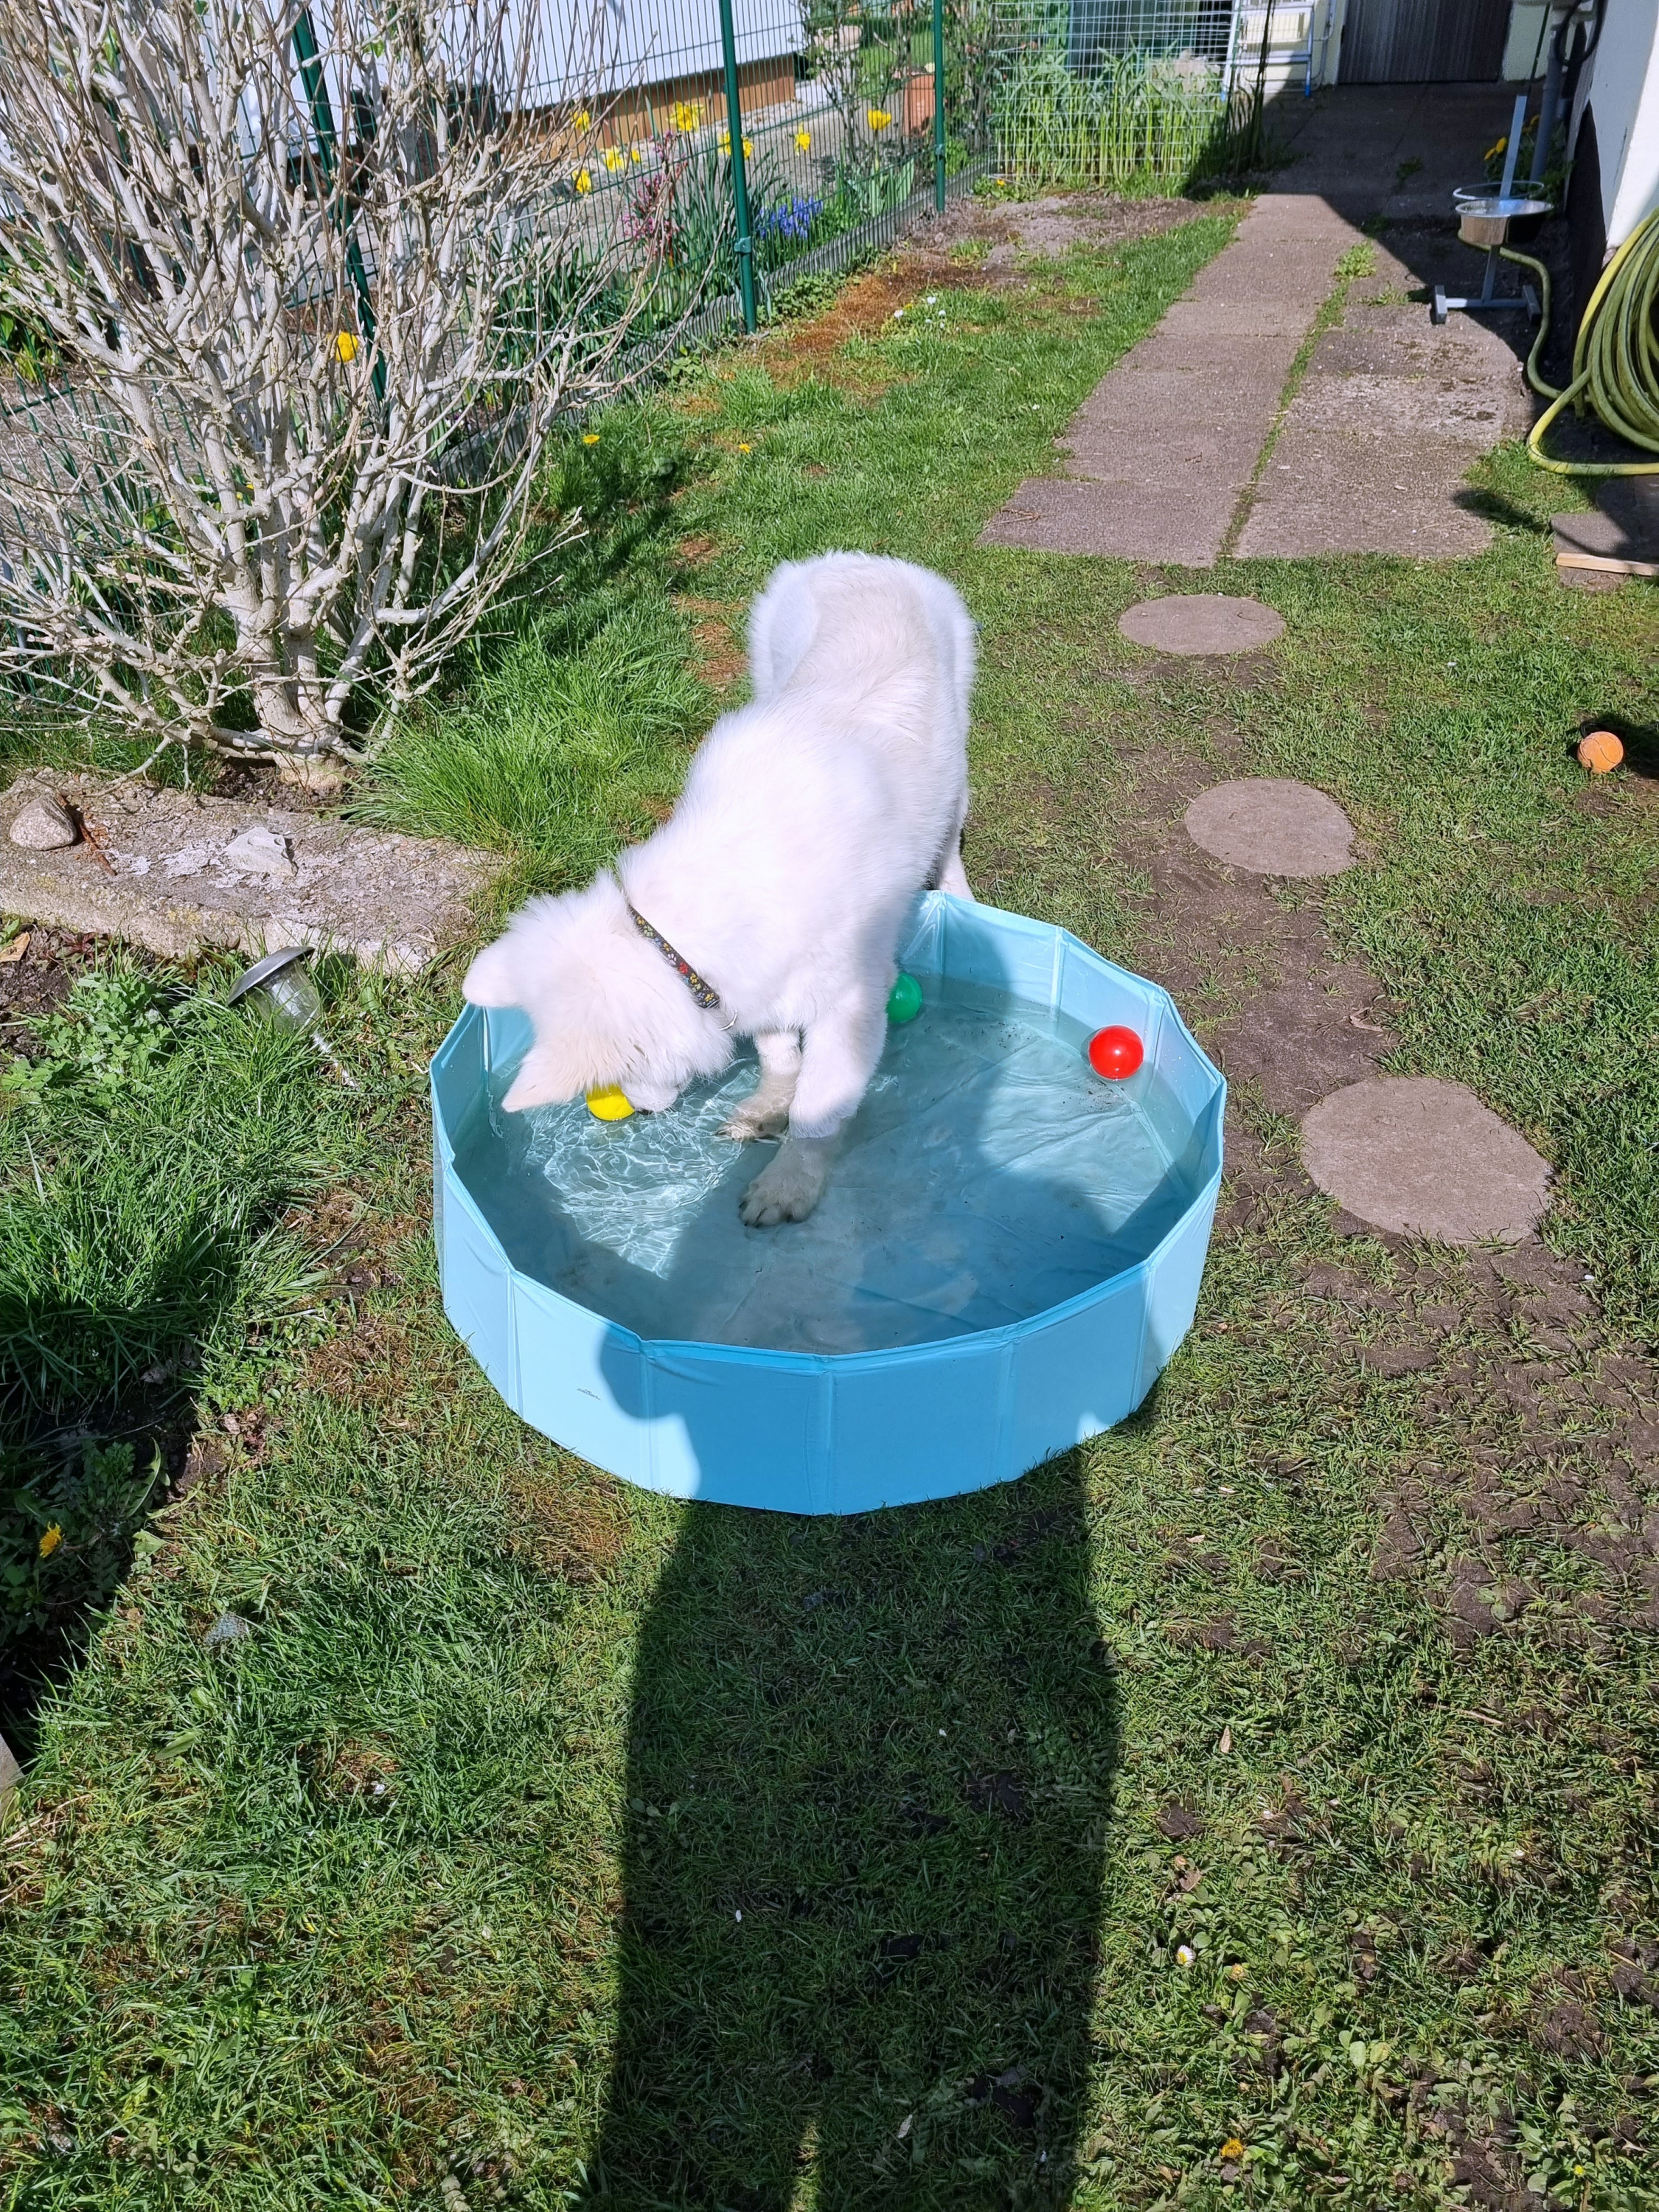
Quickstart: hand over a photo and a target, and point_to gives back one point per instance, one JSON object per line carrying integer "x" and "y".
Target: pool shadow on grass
{"x": 870, "y": 1769}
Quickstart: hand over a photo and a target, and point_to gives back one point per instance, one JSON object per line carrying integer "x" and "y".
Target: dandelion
{"x": 1234, "y": 1974}
{"x": 1185, "y": 1955}
{"x": 615, "y": 159}
{"x": 346, "y": 346}
{"x": 584, "y": 183}
{"x": 590, "y": 437}
{"x": 1232, "y": 2149}
{"x": 50, "y": 1540}
{"x": 877, "y": 118}
{"x": 745, "y": 449}
{"x": 804, "y": 140}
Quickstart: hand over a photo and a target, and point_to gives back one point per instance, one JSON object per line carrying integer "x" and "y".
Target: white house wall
{"x": 1621, "y": 88}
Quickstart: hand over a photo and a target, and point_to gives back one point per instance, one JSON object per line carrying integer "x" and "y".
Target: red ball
{"x": 1115, "y": 1052}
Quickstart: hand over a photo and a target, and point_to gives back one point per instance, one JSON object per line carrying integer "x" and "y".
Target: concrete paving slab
{"x": 1423, "y": 1158}
{"x": 1375, "y": 447}
{"x": 154, "y": 867}
{"x": 1622, "y": 530}
{"x": 1398, "y": 150}
{"x": 1273, "y": 826}
{"x": 1324, "y": 492}
{"x": 1201, "y": 322}
{"x": 1058, "y": 514}
{"x": 1199, "y": 622}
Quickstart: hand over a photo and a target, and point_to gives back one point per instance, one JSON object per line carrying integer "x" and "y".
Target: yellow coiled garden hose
{"x": 1615, "y": 357}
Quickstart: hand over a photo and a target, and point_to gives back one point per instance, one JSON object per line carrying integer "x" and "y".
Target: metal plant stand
{"x": 1484, "y": 219}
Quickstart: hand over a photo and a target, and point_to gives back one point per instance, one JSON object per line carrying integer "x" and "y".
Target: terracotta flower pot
{"x": 918, "y": 102}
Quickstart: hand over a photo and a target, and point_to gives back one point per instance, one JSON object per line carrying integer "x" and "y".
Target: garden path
{"x": 1221, "y": 431}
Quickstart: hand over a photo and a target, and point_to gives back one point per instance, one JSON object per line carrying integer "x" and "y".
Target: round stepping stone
{"x": 1273, "y": 826}
{"x": 1423, "y": 1158}
{"x": 1201, "y": 622}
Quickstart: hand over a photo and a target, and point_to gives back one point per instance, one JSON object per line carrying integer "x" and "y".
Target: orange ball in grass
{"x": 1599, "y": 751}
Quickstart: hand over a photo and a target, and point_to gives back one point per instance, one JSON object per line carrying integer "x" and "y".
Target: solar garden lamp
{"x": 278, "y": 990}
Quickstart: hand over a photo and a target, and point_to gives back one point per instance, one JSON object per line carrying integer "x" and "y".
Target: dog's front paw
{"x": 785, "y": 1189}
{"x": 753, "y": 1120}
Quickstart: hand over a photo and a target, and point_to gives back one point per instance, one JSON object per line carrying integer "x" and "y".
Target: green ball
{"x": 904, "y": 1002}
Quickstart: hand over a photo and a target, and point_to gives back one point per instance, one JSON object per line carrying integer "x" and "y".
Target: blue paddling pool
{"x": 1009, "y": 1250}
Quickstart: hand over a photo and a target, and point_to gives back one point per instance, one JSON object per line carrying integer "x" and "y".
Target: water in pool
{"x": 988, "y": 1175}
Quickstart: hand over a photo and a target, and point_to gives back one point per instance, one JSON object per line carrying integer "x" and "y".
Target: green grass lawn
{"x": 1117, "y": 1838}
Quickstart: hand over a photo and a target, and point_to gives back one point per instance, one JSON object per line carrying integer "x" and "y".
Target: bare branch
{"x": 322, "y": 294}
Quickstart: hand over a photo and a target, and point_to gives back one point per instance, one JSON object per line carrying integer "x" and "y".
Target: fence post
{"x": 739, "y": 175}
{"x": 322, "y": 122}
{"x": 939, "y": 104}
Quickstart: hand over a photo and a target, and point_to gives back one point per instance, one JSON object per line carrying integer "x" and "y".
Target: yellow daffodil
{"x": 634, "y": 152}
{"x": 346, "y": 346}
{"x": 50, "y": 1540}
{"x": 584, "y": 182}
{"x": 877, "y": 118}
{"x": 1492, "y": 152}
{"x": 582, "y": 120}
{"x": 804, "y": 140}
{"x": 615, "y": 159}
{"x": 590, "y": 437}
{"x": 687, "y": 114}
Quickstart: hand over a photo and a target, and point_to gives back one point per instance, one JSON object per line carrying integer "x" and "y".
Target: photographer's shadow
{"x": 870, "y": 1767}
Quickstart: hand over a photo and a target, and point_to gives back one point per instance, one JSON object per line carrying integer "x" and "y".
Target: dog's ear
{"x": 545, "y": 1079}
{"x": 490, "y": 981}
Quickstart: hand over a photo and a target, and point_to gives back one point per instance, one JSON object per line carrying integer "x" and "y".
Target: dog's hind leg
{"x": 951, "y": 875}
{"x": 765, "y": 1112}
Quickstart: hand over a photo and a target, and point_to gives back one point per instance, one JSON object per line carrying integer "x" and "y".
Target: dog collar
{"x": 699, "y": 985}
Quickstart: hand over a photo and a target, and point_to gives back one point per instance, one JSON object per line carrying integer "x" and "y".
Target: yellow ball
{"x": 609, "y": 1104}
{"x": 1599, "y": 751}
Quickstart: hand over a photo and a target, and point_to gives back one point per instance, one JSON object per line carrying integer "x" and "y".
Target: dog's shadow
{"x": 869, "y": 1781}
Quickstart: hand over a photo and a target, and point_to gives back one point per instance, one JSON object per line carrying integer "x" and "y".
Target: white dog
{"x": 769, "y": 905}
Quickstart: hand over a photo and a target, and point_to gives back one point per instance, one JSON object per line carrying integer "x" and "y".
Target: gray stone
{"x": 156, "y": 868}
{"x": 1201, "y": 622}
{"x": 1272, "y": 826}
{"x": 1423, "y": 1158}
{"x": 44, "y": 826}
{"x": 261, "y": 851}
{"x": 11, "y": 1775}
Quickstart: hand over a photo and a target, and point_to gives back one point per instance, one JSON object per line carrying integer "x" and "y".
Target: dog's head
{"x": 604, "y": 1007}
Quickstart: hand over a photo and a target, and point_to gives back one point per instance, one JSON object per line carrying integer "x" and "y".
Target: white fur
{"x": 809, "y": 821}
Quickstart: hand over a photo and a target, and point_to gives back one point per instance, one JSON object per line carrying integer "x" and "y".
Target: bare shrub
{"x": 322, "y": 291}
